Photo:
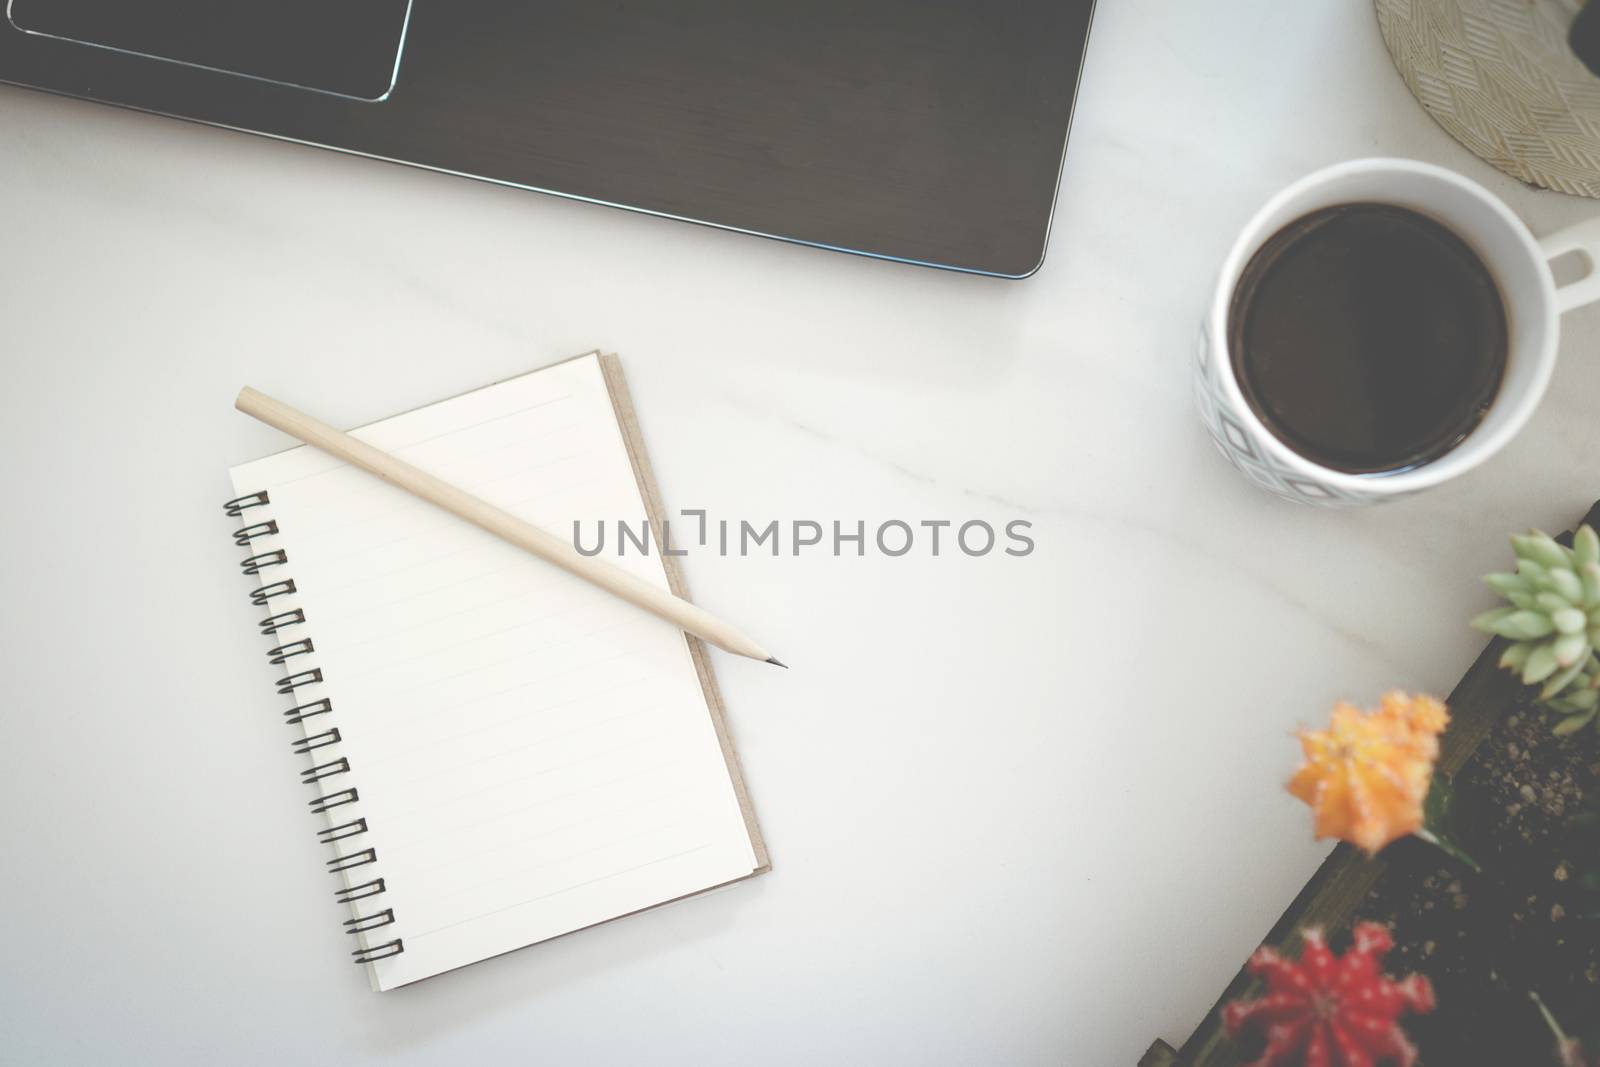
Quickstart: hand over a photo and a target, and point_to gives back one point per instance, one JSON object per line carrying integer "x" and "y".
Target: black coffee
{"x": 1368, "y": 338}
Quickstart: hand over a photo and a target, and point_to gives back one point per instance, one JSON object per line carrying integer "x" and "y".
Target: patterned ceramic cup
{"x": 1520, "y": 265}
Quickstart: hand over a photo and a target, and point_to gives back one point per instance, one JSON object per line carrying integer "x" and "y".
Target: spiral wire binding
{"x": 293, "y": 648}
{"x": 326, "y": 801}
{"x": 302, "y": 712}
{"x": 273, "y": 624}
{"x": 325, "y": 770}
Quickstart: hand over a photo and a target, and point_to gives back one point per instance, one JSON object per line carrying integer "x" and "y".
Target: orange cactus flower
{"x": 1367, "y": 775}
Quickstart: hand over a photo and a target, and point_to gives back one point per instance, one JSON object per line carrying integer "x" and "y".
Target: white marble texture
{"x": 1020, "y": 810}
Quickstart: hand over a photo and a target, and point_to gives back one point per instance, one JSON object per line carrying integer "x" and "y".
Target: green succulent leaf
{"x": 1572, "y": 622}
{"x": 1541, "y": 664}
{"x": 1590, "y": 576}
{"x": 1573, "y": 723}
{"x": 1550, "y": 603}
{"x": 1567, "y": 584}
{"x": 1586, "y": 545}
{"x": 1522, "y": 626}
{"x": 1492, "y": 618}
{"x": 1535, "y": 575}
{"x": 1583, "y": 699}
{"x": 1541, "y": 548}
{"x": 1581, "y": 694}
{"x": 1561, "y": 679}
{"x": 1506, "y": 584}
{"x": 1572, "y": 650}
{"x": 1516, "y": 656}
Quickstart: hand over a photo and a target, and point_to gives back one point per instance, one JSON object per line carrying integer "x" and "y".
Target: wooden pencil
{"x": 501, "y": 523}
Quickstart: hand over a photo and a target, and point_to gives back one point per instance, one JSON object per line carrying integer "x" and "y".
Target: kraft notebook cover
{"x": 495, "y": 752}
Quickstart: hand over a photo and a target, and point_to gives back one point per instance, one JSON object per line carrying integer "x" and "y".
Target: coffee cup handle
{"x": 1584, "y": 239}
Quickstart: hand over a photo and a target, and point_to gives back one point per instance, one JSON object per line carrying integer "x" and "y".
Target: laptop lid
{"x": 929, "y": 131}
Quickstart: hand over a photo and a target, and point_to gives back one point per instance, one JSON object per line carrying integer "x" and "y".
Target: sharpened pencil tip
{"x": 774, "y": 660}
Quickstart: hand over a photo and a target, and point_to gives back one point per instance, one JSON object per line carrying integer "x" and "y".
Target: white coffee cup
{"x": 1520, "y": 264}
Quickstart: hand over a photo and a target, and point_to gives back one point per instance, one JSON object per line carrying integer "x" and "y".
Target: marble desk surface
{"x": 1021, "y": 810}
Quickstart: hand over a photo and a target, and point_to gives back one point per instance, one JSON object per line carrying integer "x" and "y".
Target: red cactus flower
{"x": 1330, "y": 1011}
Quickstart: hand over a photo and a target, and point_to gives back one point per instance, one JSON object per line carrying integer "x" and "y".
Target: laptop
{"x": 926, "y": 131}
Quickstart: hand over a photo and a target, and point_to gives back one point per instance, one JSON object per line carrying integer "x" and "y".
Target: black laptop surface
{"x": 930, "y": 131}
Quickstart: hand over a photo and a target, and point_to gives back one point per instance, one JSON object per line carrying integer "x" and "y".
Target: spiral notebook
{"x": 496, "y": 752}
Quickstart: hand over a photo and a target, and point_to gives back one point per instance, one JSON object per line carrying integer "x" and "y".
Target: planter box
{"x": 1485, "y": 941}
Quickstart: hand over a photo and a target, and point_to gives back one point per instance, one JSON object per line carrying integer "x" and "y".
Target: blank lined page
{"x": 531, "y": 755}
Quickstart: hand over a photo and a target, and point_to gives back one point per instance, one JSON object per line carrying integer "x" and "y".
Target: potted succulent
{"x": 1459, "y": 922}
